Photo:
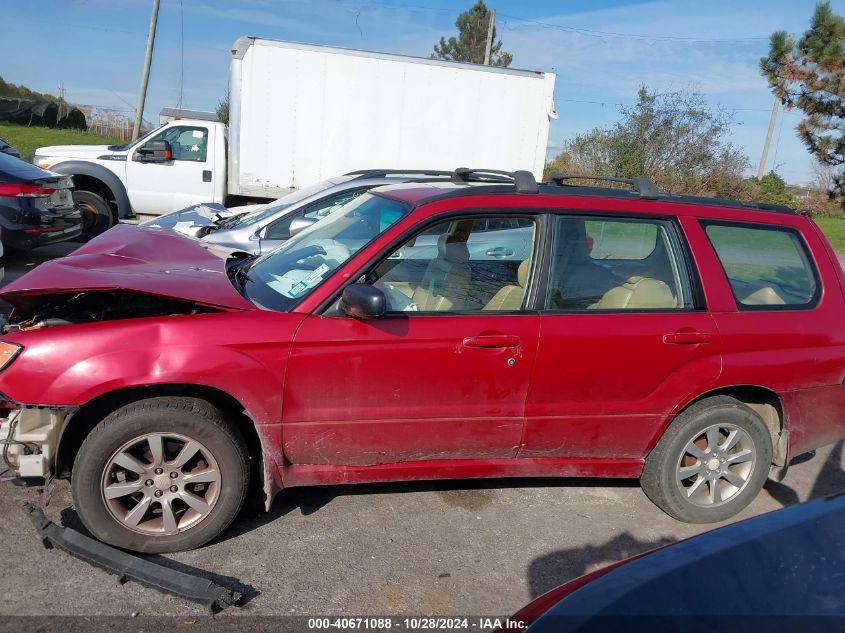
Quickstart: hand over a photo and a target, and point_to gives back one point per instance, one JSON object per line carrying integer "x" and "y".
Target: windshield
{"x": 282, "y": 203}
{"x": 139, "y": 140}
{"x": 280, "y": 279}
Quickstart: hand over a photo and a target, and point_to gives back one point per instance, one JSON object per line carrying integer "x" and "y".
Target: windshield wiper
{"x": 238, "y": 271}
{"x": 229, "y": 222}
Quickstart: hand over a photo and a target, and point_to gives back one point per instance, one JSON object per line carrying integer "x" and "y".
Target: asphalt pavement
{"x": 444, "y": 548}
{"x": 448, "y": 548}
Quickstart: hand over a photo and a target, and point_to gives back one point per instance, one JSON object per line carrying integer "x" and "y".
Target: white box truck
{"x": 300, "y": 113}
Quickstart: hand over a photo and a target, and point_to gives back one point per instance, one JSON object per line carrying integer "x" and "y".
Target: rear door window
{"x": 617, "y": 264}
{"x": 768, "y": 267}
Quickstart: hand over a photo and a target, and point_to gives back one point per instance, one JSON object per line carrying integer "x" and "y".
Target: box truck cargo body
{"x": 301, "y": 113}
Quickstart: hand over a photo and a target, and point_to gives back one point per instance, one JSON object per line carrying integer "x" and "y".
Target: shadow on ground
{"x": 471, "y": 495}
{"x": 552, "y": 570}
{"x": 830, "y": 480}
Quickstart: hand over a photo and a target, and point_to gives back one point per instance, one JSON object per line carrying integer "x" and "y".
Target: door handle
{"x": 686, "y": 338}
{"x": 499, "y": 251}
{"x": 491, "y": 341}
{"x": 206, "y": 175}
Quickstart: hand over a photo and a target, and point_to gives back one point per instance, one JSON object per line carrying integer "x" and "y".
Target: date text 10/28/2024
{"x": 415, "y": 624}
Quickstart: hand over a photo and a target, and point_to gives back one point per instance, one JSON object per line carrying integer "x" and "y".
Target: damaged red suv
{"x": 425, "y": 331}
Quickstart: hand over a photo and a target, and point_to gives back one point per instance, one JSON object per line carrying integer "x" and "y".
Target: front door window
{"x": 460, "y": 266}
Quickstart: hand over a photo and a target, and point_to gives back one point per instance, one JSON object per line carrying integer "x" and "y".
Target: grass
{"x": 833, "y": 228}
{"x": 26, "y": 139}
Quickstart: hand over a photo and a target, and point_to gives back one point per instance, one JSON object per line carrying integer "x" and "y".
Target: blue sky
{"x": 601, "y": 51}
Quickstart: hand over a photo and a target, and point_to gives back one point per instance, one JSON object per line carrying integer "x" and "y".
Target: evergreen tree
{"x": 471, "y": 43}
{"x": 810, "y": 74}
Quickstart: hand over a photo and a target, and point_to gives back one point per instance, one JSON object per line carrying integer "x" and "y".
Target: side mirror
{"x": 362, "y": 301}
{"x": 298, "y": 225}
{"x": 155, "y": 152}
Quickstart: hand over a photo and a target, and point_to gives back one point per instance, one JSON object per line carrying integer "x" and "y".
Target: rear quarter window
{"x": 768, "y": 267}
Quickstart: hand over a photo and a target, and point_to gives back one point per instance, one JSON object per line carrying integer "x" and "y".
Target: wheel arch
{"x": 85, "y": 418}
{"x": 762, "y": 400}
{"x": 87, "y": 174}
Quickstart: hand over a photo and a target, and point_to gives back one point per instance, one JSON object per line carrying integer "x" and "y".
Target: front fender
{"x": 112, "y": 181}
{"x": 241, "y": 354}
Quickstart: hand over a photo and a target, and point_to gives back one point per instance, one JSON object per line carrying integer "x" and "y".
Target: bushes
{"x": 674, "y": 139}
{"x": 19, "y": 104}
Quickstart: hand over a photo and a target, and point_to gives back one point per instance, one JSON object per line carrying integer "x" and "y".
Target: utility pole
{"x": 761, "y": 168}
{"x": 490, "y": 28}
{"x": 145, "y": 76}
{"x": 61, "y": 99}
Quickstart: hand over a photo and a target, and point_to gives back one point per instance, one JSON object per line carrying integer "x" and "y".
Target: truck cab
{"x": 174, "y": 166}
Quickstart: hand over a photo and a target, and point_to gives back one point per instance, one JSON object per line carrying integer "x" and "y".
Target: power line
{"x": 777, "y": 143}
{"x": 631, "y": 104}
{"x": 181, "y": 53}
{"x": 637, "y": 36}
{"x": 572, "y": 29}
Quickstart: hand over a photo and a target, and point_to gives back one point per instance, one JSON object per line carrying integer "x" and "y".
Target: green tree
{"x": 471, "y": 43}
{"x": 675, "y": 139}
{"x": 810, "y": 74}
{"x": 223, "y": 109}
{"x": 774, "y": 189}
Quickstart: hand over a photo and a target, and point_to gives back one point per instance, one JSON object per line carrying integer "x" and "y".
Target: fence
{"x": 111, "y": 121}
{"x": 117, "y": 128}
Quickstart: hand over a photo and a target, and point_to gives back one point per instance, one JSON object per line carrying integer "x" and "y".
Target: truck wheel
{"x": 96, "y": 214}
{"x": 160, "y": 475}
{"x": 710, "y": 463}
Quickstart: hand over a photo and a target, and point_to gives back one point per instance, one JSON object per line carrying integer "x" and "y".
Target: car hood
{"x": 191, "y": 220}
{"x": 151, "y": 261}
{"x": 73, "y": 151}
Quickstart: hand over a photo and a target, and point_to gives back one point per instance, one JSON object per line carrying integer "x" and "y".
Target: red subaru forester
{"x": 424, "y": 331}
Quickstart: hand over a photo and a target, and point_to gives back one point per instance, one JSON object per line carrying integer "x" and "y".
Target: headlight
{"x": 8, "y": 352}
{"x": 43, "y": 163}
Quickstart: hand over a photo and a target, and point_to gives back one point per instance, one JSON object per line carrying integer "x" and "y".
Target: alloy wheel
{"x": 715, "y": 465}
{"x": 161, "y": 483}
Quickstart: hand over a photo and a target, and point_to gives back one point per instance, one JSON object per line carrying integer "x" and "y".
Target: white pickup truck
{"x": 301, "y": 113}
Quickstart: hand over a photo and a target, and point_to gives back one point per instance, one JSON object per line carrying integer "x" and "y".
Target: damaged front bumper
{"x": 128, "y": 567}
{"x": 29, "y": 438}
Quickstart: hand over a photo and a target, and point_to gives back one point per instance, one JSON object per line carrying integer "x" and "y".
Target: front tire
{"x": 710, "y": 463}
{"x": 97, "y": 216}
{"x": 160, "y": 475}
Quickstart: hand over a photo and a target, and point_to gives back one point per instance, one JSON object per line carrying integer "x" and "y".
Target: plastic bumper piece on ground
{"x": 128, "y": 567}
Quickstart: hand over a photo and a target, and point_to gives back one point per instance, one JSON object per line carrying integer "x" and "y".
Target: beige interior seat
{"x": 445, "y": 284}
{"x": 510, "y": 297}
{"x": 763, "y": 296}
{"x": 635, "y": 293}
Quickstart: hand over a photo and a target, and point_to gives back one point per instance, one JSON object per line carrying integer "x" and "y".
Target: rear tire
{"x": 97, "y": 216}
{"x": 160, "y": 475}
{"x": 710, "y": 463}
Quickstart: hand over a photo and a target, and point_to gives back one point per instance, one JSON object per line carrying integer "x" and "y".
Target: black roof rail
{"x": 523, "y": 181}
{"x": 376, "y": 173}
{"x": 643, "y": 186}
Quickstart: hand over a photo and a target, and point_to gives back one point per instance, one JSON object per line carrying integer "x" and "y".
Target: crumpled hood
{"x": 190, "y": 220}
{"x": 151, "y": 261}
